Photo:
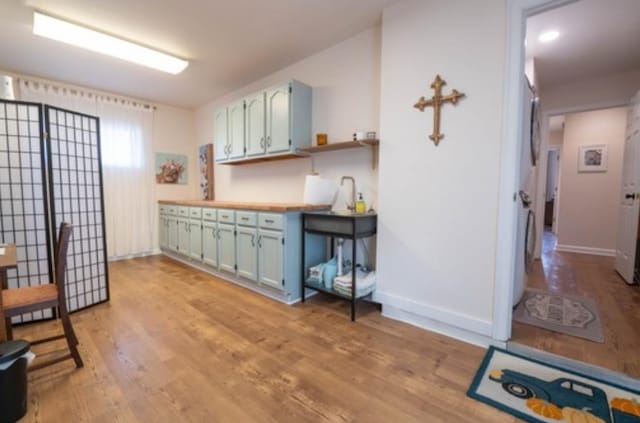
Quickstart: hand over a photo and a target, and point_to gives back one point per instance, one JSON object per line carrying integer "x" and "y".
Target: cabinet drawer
{"x": 163, "y": 208}
{"x": 226, "y": 216}
{"x": 173, "y": 210}
{"x": 195, "y": 212}
{"x": 210, "y": 214}
{"x": 246, "y": 218}
{"x": 271, "y": 221}
{"x": 183, "y": 211}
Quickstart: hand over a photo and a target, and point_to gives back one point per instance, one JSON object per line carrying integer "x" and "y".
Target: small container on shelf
{"x": 321, "y": 139}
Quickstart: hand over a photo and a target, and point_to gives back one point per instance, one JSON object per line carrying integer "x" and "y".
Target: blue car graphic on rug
{"x": 567, "y": 399}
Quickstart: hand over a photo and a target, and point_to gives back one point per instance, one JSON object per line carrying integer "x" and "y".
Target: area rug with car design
{"x": 539, "y": 392}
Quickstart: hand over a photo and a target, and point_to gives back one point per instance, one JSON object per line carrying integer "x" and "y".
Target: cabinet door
{"x": 220, "y": 134}
{"x": 247, "y": 253}
{"x": 236, "y": 130}
{"x": 172, "y": 230}
{"x": 278, "y": 119}
{"x": 195, "y": 240}
{"x": 183, "y": 237}
{"x": 163, "y": 232}
{"x": 270, "y": 258}
{"x": 210, "y": 244}
{"x": 255, "y": 114}
{"x": 226, "y": 248}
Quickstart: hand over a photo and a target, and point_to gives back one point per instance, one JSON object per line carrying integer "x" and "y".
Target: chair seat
{"x": 19, "y": 298}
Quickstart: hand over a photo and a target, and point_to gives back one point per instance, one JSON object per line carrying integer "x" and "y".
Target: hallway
{"x": 618, "y": 304}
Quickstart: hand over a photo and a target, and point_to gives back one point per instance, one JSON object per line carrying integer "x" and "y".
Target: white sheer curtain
{"x": 126, "y": 131}
{"x": 65, "y": 98}
{"x": 129, "y": 185}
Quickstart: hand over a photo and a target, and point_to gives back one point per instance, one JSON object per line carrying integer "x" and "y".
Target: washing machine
{"x": 529, "y": 151}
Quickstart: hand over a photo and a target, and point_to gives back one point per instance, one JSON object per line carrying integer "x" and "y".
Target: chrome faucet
{"x": 351, "y": 206}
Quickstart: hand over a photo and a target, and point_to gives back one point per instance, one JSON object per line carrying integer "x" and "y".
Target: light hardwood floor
{"x": 175, "y": 344}
{"x": 618, "y": 305}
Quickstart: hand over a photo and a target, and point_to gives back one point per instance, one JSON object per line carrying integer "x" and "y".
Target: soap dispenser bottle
{"x": 361, "y": 207}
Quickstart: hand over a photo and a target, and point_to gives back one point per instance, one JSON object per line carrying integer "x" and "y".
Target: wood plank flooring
{"x": 618, "y": 305}
{"x": 178, "y": 345}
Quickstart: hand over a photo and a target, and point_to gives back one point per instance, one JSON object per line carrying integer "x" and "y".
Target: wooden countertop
{"x": 277, "y": 207}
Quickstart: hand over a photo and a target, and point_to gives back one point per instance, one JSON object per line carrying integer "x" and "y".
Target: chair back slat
{"x": 64, "y": 234}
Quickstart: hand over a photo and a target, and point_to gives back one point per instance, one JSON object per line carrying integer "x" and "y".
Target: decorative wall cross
{"x": 436, "y": 102}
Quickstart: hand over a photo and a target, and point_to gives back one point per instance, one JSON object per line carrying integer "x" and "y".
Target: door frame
{"x": 556, "y": 199}
{"x": 517, "y": 13}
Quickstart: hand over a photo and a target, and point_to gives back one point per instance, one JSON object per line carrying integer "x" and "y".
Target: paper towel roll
{"x": 6, "y": 88}
{"x": 319, "y": 191}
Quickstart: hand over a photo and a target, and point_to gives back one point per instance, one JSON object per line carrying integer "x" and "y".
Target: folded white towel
{"x": 361, "y": 278}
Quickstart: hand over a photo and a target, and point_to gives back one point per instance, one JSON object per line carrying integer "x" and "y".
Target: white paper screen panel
{"x": 76, "y": 186}
{"x": 24, "y": 220}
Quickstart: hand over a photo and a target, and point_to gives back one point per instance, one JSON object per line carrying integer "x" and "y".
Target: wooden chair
{"x": 25, "y": 300}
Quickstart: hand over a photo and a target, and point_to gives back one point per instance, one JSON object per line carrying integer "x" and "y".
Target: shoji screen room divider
{"x": 50, "y": 173}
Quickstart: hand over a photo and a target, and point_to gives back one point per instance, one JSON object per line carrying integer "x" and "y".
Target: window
{"x": 122, "y": 145}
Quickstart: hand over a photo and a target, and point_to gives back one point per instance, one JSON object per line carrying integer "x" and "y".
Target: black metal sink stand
{"x": 345, "y": 226}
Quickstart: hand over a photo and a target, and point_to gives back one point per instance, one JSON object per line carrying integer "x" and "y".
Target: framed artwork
{"x": 205, "y": 155}
{"x": 171, "y": 168}
{"x": 593, "y": 158}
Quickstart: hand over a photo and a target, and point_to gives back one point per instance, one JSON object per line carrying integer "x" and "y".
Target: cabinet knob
{"x": 269, "y": 141}
{"x": 260, "y": 241}
{"x": 253, "y": 240}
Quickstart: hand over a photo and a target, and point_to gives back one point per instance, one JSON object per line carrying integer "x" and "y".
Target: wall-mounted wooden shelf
{"x": 344, "y": 145}
{"x": 308, "y": 151}
{"x": 340, "y": 146}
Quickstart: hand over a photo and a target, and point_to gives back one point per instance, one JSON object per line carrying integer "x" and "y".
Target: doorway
{"x": 551, "y": 196}
{"x": 577, "y": 265}
{"x": 562, "y": 271}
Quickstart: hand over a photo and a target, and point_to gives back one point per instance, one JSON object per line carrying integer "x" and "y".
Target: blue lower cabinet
{"x": 262, "y": 248}
{"x": 226, "y": 247}
{"x": 183, "y": 237}
{"x": 210, "y": 244}
{"x": 195, "y": 240}
{"x": 247, "y": 252}
{"x": 271, "y": 258}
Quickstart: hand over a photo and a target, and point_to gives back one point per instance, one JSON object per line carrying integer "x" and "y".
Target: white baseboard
{"x": 447, "y": 322}
{"x": 438, "y": 327}
{"x": 585, "y": 250}
{"x": 130, "y": 256}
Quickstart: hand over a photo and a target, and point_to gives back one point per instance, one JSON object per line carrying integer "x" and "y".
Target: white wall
{"x": 588, "y": 213}
{"x": 174, "y": 132}
{"x": 438, "y": 205}
{"x": 606, "y": 91}
{"x": 346, "y": 84}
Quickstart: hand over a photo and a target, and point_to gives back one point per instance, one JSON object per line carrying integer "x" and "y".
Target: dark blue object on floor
{"x": 13, "y": 381}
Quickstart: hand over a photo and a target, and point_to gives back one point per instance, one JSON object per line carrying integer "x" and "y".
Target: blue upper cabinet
{"x": 220, "y": 134}
{"x": 255, "y": 116}
{"x": 278, "y": 118}
{"x": 267, "y": 124}
{"x": 236, "y": 130}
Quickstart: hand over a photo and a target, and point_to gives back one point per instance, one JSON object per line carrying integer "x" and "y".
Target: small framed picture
{"x": 593, "y": 158}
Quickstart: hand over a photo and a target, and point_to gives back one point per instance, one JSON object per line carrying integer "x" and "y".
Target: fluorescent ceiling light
{"x": 548, "y": 36}
{"x": 79, "y": 36}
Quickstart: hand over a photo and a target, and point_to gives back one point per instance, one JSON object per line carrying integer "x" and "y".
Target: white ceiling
{"x": 597, "y": 37}
{"x": 229, "y": 43}
{"x": 556, "y": 123}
